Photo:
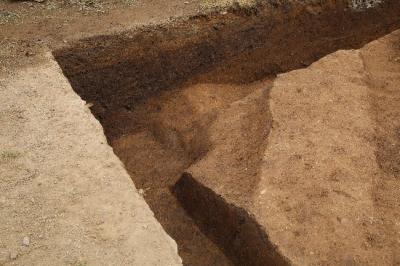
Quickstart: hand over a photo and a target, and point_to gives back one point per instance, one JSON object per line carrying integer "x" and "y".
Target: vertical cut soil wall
{"x": 120, "y": 72}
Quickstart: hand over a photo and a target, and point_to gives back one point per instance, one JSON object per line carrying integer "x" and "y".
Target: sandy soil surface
{"x": 65, "y": 197}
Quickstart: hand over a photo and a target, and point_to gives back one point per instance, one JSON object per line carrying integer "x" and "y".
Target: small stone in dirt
{"x": 13, "y": 255}
{"x": 141, "y": 192}
{"x": 25, "y": 241}
{"x": 28, "y": 54}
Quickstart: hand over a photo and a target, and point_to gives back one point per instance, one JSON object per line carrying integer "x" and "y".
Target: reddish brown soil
{"x": 27, "y": 28}
{"x": 165, "y": 136}
{"x": 187, "y": 108}
{"x": 327, "y": 190}
{"x": 154, "y": 90}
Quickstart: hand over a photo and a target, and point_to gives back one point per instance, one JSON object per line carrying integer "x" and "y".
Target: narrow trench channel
{"x": 167, "y": 134}
{"x": 159, "y": 90}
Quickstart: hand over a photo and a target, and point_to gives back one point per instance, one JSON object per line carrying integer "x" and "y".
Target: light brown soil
{"x": 219, "y": 141}
{"x": 165, "y": 136}
{"x": 62, "y": 187}
{"x": 327, "y": 190}
{"x": 239, "y": 166}
{"x": 221, "y": 132}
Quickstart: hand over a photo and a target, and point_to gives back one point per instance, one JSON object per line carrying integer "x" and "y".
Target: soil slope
{"x": 326, "y": 190}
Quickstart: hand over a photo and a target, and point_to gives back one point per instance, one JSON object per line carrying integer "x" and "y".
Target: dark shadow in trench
{"x": 120, "y": 72}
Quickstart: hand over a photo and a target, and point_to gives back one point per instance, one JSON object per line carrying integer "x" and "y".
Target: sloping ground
{"x": 327, "y": 187}
{"x": 65, "y": 197}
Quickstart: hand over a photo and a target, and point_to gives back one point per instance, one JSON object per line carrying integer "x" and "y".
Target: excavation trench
{"x": 167, "y": 95}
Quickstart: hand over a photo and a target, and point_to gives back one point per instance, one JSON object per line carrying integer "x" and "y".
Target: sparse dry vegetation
{"x": 9, "y": 155}
{"x": 223, "y": 4}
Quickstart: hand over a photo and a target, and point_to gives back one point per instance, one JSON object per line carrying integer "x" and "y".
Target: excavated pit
{"x": 166, "y": 95}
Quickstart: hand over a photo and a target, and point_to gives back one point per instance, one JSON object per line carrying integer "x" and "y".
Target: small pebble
{"x": 28, "y": 54}
{"x": 25, "y": 241}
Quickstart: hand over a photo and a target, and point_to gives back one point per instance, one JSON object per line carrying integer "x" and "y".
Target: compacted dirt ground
{"x": 240, "y": 162}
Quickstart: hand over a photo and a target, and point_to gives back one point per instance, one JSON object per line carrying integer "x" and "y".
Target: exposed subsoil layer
{"x": 172, "y": 97}
{"x": 167, "y": 134}
{"x": 328, "y": 188}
